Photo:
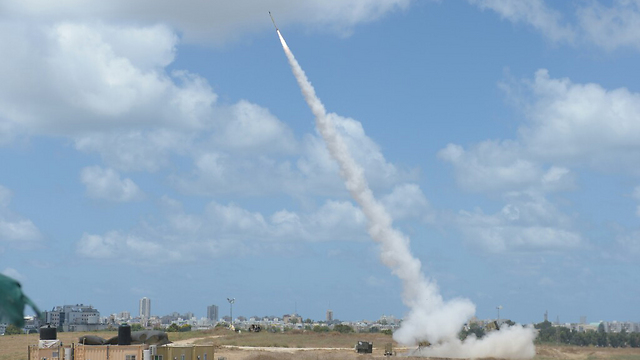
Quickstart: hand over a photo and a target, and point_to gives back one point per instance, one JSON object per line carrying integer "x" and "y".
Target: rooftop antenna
{"x": 499, "y": 307}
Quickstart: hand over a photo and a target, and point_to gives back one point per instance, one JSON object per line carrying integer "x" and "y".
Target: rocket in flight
{"x": 274, "y": 22}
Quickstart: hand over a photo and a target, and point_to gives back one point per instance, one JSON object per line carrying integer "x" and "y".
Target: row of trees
{"x": 177, "y": 328}
{"x": 12, "y": 330}
{"x": 344, "y": 329}
{"x": 562, "y": 335}
{"x": 547, "y": 333}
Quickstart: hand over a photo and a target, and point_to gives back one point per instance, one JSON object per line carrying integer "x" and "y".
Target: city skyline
{"x": 167, "y": 152}
{"x": 329, "y": 316}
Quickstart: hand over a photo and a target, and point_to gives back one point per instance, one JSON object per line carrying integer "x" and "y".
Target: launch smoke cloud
{"x": 430, "y": 317}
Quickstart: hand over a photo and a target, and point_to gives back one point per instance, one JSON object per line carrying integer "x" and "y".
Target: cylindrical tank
{"x": 124, "y": 334}
{"x": 48, "y": 333}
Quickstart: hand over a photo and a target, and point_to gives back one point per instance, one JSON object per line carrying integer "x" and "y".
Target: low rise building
{"x": 77, "y": 317}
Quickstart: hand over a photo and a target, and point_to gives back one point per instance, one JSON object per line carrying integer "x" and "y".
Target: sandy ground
{"x": 273, "y": 353}
{"x": 543, "y": 352}
{"x": 282, "y": 353}
{"x": 14, "y": 347}
{"x": 194, "y": 340}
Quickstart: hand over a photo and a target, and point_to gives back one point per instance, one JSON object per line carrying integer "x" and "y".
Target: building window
{"x": 130, "y": 357}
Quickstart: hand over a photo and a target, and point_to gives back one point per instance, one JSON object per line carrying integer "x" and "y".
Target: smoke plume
{"x": 430, "y": 317}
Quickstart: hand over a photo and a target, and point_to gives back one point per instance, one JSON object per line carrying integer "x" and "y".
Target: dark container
{"x": 364, "y": 347}
{"x": 48, "y": 333}
{"x": 124, "y": 334}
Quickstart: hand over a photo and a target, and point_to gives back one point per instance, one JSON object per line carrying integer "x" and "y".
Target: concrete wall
{"x": 186, "y": 352}
{"x": 120, "y": 352}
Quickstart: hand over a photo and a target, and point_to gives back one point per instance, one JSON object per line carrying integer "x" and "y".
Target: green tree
{"x": 173, "y": 328}
{"x": 602, "y": 339}
{"x": 320, "y": 328}
{"x": 579, "y": 338}
{"x": 546, "y": 333}
{"x": 343, "y": 329}
{"x": 13, "y": 330}
{"x": 591, "y": 337}
{"x": 543, "y": 325}
{"x": 137, "y": 327}
{"x": 275, "y": 329}
{"x": 185, "y": 328}
{"x": 624, "y": 338}
{"x": 563, "y": 335}
{"x": 615, "y": 340}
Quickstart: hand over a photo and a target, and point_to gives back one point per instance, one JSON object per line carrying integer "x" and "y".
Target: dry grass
{"x": 295, "y": 339}
{"x": 548, "y": 352}
{"x": 543, "y": 353}
{"x": 287, "y": 346}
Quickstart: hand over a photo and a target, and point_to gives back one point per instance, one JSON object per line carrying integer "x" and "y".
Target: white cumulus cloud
{"x": 408, "y": 201}
{"x": 568, "y": 126}
{"x": 533, "y": 12}
{"x": 609, "y": 26}
{"x": 224, "y": 230}
{"x": 15, "y": 274}
{"x": 80, "y": 78}
{"x": 252, "y": 127}
{"x": 210, "y": 21}
{"x": 492, "y": 166}
{"x": 106, "y": 184}
{"x": 528, "y": 222}
{"x": 582, "y": 123}
{"x": 15, "y": 231}
{"x": 283, "y": 165}
{"x": 612, "y": 27}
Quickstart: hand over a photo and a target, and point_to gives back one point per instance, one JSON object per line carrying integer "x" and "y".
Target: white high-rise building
{"x": 212, "y": 313}
{"x": 145, "y": 308}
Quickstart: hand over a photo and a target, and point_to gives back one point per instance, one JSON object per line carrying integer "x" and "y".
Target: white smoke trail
{"x": 430, "y": 317}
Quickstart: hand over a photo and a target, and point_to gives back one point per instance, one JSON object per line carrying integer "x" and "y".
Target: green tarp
{"x": 13, "y": 301}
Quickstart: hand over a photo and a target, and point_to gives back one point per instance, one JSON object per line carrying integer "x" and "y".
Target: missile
{"x": 273, "y": 21}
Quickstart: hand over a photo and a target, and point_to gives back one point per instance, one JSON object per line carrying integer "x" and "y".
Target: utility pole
{"x": 499, "y": 307}
{"x": 231, "y": 301}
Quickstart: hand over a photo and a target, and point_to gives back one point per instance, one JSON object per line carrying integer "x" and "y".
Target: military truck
{"x": 364, "y": 347}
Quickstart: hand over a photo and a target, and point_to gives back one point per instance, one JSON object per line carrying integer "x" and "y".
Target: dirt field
{"x": 304, "y": 346}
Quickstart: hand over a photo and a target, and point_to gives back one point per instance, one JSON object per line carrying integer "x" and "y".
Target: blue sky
{"x": 164, "y": 150}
